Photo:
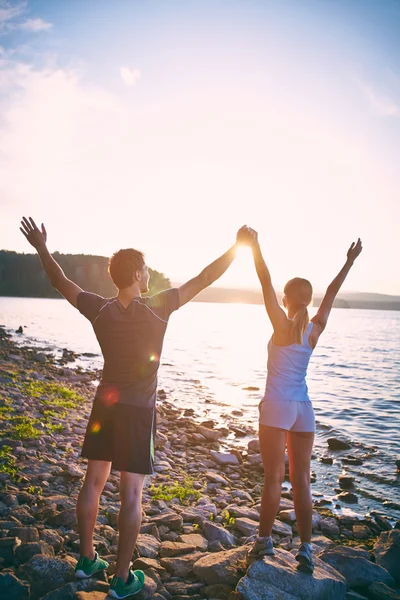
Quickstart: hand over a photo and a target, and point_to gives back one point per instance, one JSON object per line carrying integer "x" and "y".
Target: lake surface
{"x": 213, "y": 351}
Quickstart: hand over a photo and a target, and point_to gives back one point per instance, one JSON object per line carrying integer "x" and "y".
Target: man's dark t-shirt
{"x": 131, "y": 341}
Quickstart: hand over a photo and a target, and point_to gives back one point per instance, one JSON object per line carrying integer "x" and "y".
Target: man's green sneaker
{"x": 86, "y": 568}
{"x": 134, "y": 584}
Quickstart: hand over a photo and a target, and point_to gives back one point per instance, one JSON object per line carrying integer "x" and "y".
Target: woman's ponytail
{"x": 299, "y": 324}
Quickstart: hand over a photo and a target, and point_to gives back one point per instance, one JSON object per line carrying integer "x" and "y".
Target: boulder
{"x": 46, "y": 574}
{"x": 380, "y": 591}
{"x": 147, "y": 545}
{"x": 277, "y": 578}
{"x": 387, "y": 552}
{"x": 214, "y": 532}
{"x": 224, "y": 458}
{"x": 168, "y": 549}
{"x": 25, "y": 534}
{"x": 181, "y": 566}
{"x": 194, "y": 539}
{"x": 246, "y": 527}
{"x": 25, "y": 551}
{"x": 337, "y": 444}
{"x": 357, "y": 570}
{"x": 329, "y": 527}
{"x": 12, "y": 588}
{"x": 169, "y": 519}
{"x": 222, "y": 567}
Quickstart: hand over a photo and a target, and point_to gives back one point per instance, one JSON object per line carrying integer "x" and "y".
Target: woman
{"x": 286, "y": 413}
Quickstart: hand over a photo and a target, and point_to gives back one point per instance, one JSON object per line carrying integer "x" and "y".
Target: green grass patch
{"x": 59, "y": 395}
{"x": 228, "y": 520}
{"x": 8, "y": 462}
{"x": 22, "y": 428}
{"x": 183, "y": 491}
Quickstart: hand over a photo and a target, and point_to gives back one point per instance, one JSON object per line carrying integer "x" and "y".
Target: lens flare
{"x": 95, "y": 428}
{"x": 109, "y": 395}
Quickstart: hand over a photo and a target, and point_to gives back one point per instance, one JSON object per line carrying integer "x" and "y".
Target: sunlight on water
{"x": 213, "y": 351}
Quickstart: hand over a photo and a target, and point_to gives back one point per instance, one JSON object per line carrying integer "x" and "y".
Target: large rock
{"x": 46, "y": 574}
{"x": 194, "y": 539}
{"x": 224, "y": 458}
{"x": 214, "y": 532}
{"x": 147, "y": 545}
{"x": 355, "y": 568}
{"x": 243, "y": 511}
{"x": 168, "y": 549}
{"x": 380, "y": 591}
{"x": 277, "y": 578}
{"x": 25, "y": 534}
{"x": 246, "y": 526}
{"x": 337, "y": 444}
{"x": 222, "y": 567}
{"x": 12, "y": 588}
{"x": 65, "y": 518}
{"x": 329, "y": 527}
{"x": 25, "y": 551}
{"x": 8, "y": 545}
{"x": 181, "y": 566}
{"x": 387, "y": 552}
{"x": 68, "y": 591}
{"x": 169, "y": 519}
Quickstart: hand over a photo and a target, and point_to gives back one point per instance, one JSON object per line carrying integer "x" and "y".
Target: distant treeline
{"x": 23, "y": 275}
{"x": 345, "y": 300}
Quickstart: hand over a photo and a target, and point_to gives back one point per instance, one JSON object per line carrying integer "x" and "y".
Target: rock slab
{"x": 277, "y": 578}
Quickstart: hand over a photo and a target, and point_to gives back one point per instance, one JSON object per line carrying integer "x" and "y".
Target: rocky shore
{"x": 200, "y": 511}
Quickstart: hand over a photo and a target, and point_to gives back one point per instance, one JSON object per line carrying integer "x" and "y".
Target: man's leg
{"x": 129, "y": 519}
{"x": 97, "y": 473}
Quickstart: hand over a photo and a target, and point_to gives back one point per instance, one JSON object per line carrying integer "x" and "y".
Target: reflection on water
{"x": 213, "y": 351}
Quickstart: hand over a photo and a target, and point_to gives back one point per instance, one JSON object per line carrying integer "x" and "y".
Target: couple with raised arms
{"x": 120, "y": 433}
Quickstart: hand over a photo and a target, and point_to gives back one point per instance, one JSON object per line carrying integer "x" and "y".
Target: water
{"x": 213, "y": 351}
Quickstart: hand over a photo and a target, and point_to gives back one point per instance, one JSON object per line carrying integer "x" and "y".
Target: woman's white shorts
{"x": 288, "y": 415}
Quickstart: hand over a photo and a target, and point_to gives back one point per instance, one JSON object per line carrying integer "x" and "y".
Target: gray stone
{"x": 214, "y": 532}
{"x": 8, "y": 546}
{"x": 337, "y": 444}
{"x": 25, "y": 534}
{"x": 147, "y": 545}
{"x": 168, "y": 549}
{"x": 65, "y": 518}
{"x": 277, "y": 578}
{"x": 243, "y": 511}
{"x": 224, "y": 458}
{"x": 181, "y": 566}
{"x": 282, "y": 529}
{"x": 25, "y": 551}
{"x": 223, "y": 567}
{"x": 194, "y": 539}
{"x": 169, "y": 519}
{"x": 357, "y": 570}
{"x": 12, "y": 588}
{"x": 246, "y": 526}
{"x": 329, "y": 526}
{"x": 216, "y": 478}
{"x": 46, "y": 574}
{"x": 53, "y": 538}
{"x": 387, "y": 552}
{"x": 380, "y": 591}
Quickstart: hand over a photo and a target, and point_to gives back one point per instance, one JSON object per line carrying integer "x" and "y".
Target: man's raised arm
{"x": 194, "y": 286}
{"x": 37, "y": 238}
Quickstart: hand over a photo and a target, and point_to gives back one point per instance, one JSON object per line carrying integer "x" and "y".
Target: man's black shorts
{"x": 122, "y": 434}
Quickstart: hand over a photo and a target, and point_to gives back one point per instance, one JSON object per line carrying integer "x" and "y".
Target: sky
{"x": 165, "y": 126}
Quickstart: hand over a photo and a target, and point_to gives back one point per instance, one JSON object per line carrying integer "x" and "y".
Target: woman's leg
{"x": 300, "y": 445}
{"x": 272, "y": 444}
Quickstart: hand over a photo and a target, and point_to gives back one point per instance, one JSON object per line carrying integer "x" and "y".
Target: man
{"x": 120, "y": 433}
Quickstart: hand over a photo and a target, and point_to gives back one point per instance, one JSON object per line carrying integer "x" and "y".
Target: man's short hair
{"x": 123, "y": 265}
